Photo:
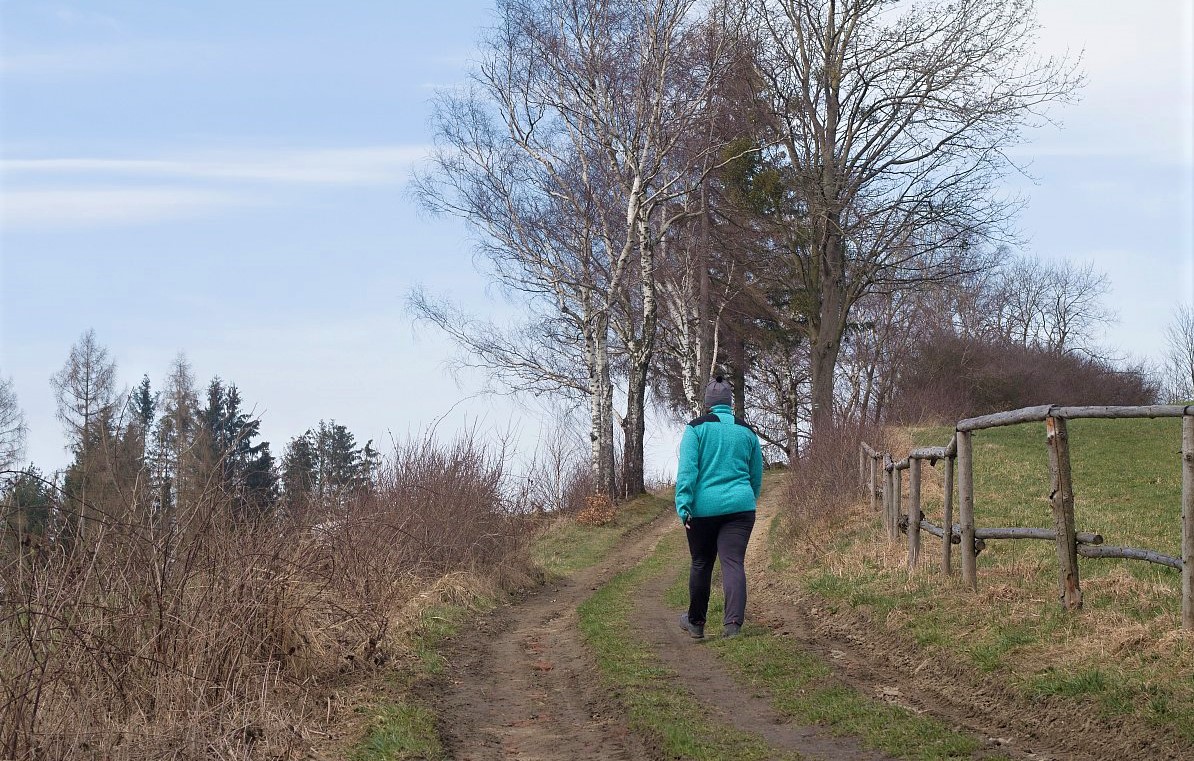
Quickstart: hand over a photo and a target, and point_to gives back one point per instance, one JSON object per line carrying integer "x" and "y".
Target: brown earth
{"x": 522, "y": 685}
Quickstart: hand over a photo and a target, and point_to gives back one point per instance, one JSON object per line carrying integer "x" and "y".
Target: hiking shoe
{"x": 696, "y": 631}
{"x": 731, "y": 630}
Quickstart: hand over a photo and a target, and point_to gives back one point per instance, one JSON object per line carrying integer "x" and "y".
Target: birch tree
{"x": 569, "y": 154}
{"x": 894, "y": 119}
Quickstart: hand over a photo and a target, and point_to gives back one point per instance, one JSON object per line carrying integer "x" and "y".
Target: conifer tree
{"x": 85, "y": 391}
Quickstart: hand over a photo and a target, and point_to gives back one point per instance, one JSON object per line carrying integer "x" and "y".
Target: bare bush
{"x": 951, "y": 377}
{"x": 201, "y": 636}
{"x": 558, "y": 478}
{"x": 815, "y": 481}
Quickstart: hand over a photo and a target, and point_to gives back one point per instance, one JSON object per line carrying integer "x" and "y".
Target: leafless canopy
{"x": 12, "y": 425}
{"x": 894, "y": 119}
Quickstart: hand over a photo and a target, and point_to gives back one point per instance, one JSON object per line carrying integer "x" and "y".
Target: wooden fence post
{"x": 1062, "y": 498}
{"x": 861, "y": 464}
{"x": 897, "y": 489}
{"x": 888, "y": 480}
{"x": 1188, "y": 521}
{"x": 948, "y": 519}
{"x": 874, "y": 484}
{"x": 913, "y": 513}
{"x": 966, "y": 509}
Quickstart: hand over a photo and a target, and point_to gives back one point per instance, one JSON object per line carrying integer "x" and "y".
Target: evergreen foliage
{"x": 324, "y": 465}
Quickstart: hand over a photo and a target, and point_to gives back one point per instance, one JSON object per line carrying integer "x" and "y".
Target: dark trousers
{"x": 724, "y": 537}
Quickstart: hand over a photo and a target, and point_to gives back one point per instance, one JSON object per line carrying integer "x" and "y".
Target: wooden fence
{"x": 874, "y": 465}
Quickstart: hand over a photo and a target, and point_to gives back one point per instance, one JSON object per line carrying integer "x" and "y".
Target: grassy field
{"x": 1124, "y": 654}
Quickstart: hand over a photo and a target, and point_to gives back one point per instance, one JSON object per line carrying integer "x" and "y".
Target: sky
{"x": 229, "y": 180}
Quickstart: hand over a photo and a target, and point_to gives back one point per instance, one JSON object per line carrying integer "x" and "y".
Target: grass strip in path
{"x": 801, "y": 686}
{"x": 567, "y": 546}
{"x": 657, "y": 705}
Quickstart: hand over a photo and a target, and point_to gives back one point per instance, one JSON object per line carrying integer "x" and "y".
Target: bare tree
{"x": 85, "y": 389}
{"x": 12, "y": 425}
{"x": 1057, "y": 308}
{"x": 1077, "y": 314}
{"x": 1022, "y": 294}
{"x": 893, "y": 123}
{"x": 1178, "y": 368}
{"x": 569, "y": 155}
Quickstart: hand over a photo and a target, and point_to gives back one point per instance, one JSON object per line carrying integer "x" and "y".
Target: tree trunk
{"x": 824, "y": 361}
{"x": 601, "y": 440}
{"x": 634, "y": 433}
{"x": 831, "y": 322}
{"x": 738, "y": 372}
{"x": 793, "y": 414}
{"x": 705, "y": 323}
{"x": 640, "y": 352}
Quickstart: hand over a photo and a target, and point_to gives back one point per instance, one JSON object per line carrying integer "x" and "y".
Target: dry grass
{"x": 205, "y": 637}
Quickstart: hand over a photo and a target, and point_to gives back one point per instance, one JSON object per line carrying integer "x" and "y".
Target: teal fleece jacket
{"x": 721, "y": 466}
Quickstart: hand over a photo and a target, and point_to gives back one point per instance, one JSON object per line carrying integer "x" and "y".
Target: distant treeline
{"x": 142, "y": 453}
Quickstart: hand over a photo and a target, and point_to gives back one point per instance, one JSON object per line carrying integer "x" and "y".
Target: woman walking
{"x": 717, "y": 484}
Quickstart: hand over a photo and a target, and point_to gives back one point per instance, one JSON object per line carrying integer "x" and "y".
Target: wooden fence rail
{"x": 1070, "y": 543}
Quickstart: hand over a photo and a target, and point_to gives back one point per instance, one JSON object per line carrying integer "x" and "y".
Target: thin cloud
{"x": 375, "y": 165}
{"x": 108, "y": 206}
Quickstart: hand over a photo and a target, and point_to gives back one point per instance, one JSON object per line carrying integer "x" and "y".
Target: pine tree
{"x": 28, "y": 503}
{"x": 174, "y": 456}
{"x": 230, "y": 459}
{"x": 324, "y": 466}
{"x": 298, "y": 470}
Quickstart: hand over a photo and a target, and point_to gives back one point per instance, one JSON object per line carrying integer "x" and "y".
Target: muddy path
{"x": 700, "y": 671}
{"x": 521, "y": 683}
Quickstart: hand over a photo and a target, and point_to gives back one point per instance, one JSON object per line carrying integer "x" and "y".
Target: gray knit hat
{"x": 719, "y": 391}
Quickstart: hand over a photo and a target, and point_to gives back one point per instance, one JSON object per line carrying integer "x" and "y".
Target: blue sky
{"x": 228, "y": 179}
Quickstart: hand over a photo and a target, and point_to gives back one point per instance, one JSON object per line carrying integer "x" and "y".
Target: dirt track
{"x": 522, "y": 685}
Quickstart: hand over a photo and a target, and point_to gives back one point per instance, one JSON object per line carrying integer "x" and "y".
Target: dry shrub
{"x": 951, "y": 377}
{"x": 557, "y": 478}
{"x": 598, "y": 511}
{"x": 195, "y": 635}
{"x": 823, "y": 485}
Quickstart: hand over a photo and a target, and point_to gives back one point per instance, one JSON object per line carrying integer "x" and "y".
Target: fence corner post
{"x": 1062, "y": 499}
{"x": 966, "y": 509}
{"x": 1188, "y": 522}
{"x": 862, "y": 464}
